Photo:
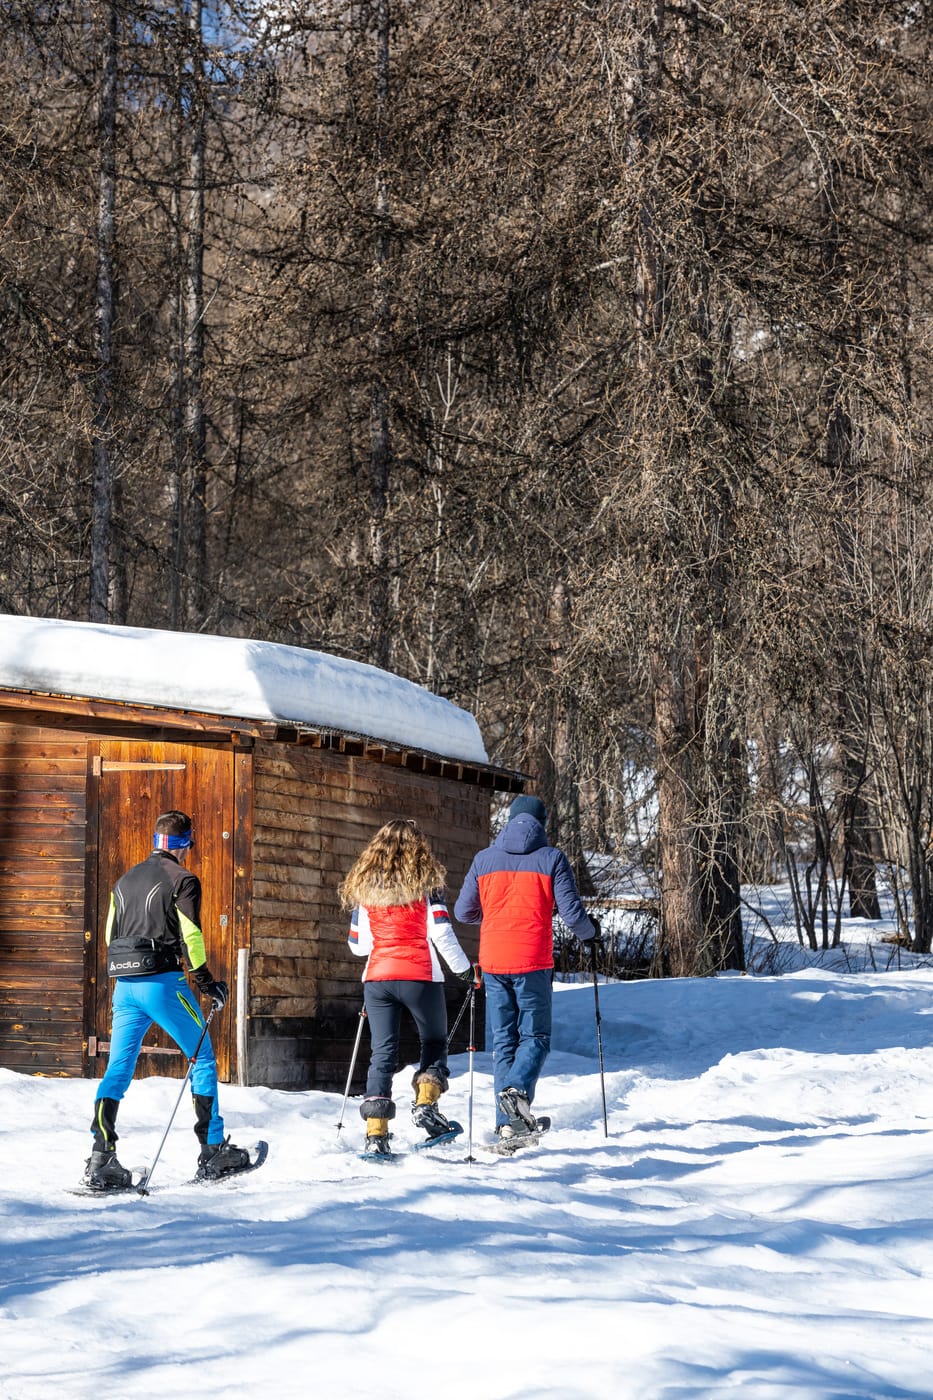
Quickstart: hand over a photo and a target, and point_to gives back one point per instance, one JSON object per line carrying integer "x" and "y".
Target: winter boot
{"x": 510, "y": 1139}
{"x": 428, "y": 1087}
{"x": 221, "y": 1159}
{"x": 377, "y": 1138}
{"x": 376, "y": 1110}
{"x": 514, "y": 1104}
{"x": 103, "y": 1172}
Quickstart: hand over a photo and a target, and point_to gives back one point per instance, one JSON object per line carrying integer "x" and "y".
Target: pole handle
{"x": 453, "y": 1029}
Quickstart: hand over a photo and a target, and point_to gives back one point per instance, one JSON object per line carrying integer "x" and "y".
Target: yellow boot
{"x": 376, "y": 1112}
{"x": 428, "y": 1086}
{"x": 377, "y": 1138}
{"x": 426, "y": 1091}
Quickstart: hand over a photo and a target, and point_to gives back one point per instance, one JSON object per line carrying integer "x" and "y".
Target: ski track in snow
{"x": 760, "y": 1219}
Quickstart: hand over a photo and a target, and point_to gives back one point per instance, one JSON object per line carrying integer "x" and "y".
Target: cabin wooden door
{"x": 133, "y": 782}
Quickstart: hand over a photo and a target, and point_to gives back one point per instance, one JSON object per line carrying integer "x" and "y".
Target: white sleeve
{"x": 360, "y": 937}
{"x": 441, "y": 934}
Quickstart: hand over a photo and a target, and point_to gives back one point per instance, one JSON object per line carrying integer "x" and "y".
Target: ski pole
{"x": 470, "y": 1157}
{"x": 453, "y": 1029}
{"x": 143, "y": 1187}
{"x": 356, "y": 1047}
{"x": 599, "y": 1044}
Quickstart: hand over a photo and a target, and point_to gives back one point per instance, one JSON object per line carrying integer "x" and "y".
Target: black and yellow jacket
{"x": 154, "y": 923}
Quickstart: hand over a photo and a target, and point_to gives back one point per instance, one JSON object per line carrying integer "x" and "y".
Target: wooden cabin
{"x": 281, "y": 807}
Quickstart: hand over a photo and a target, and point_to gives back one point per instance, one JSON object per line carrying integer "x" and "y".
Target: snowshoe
{"x": 453, "y": 1130}
{"x": 429, "y": 1117}
{"x": 102, "y": 1172}
{"x": 377, "y": 1149}
{"x": 225, "y": 1159}
{"x": 514, "y": 1104}
{"x": 509, "y": 1140}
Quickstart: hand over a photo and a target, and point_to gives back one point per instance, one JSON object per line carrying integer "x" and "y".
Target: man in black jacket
{"x": 153, "y": 931}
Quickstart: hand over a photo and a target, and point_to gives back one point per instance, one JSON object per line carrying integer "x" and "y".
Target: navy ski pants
{"x": 385, "y": 1002}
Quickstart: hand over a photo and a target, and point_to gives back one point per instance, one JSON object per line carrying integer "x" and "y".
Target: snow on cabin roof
{"x": 232, "y": 676}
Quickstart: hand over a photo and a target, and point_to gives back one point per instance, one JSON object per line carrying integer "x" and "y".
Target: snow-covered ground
{"x": 759, "y": 1219}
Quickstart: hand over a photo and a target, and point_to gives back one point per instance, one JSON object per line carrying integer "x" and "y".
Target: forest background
{"x": 568, "y": 357}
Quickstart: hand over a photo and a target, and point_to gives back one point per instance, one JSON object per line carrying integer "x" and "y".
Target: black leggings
{"x": 384, "y": 1003}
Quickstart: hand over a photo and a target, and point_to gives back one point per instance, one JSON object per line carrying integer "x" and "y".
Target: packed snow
{"x": 758, "y": 1220}
{"x": 232, "y": 676}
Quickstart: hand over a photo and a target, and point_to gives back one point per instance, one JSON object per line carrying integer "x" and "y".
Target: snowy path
{"x": 760, "y": 1219}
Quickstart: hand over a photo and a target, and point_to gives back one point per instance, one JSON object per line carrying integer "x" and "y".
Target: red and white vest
{"x": 402, "y": 941}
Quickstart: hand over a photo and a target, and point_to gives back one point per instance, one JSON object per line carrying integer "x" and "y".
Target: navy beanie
{"x": 532, "y": 805}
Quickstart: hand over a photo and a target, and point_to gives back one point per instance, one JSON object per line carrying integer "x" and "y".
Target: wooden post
{"x": 242, "y": 1016}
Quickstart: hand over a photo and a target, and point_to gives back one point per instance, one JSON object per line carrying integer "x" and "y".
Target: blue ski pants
{"x": 166, "y": 999}
{"x": 518, "y": 1021}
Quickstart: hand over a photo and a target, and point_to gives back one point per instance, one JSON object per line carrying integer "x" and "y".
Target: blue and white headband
{"x": 161, "y": 841}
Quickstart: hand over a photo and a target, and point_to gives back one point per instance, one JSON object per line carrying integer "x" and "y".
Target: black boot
{"x": 221, "y": 1159}
{"x": 514, "y": 1104}
{"x": 104, "y": 1173}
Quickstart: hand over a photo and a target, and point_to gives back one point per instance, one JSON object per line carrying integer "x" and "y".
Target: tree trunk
{"x": 194, "y": 415}
{"x": 723, "y": 790}
{"x": 676, "y": 753}
{"x": 723, "y": 914}
{"x": 670, "y": 659}
{"x": 859, "y": 857}
{"x": 178, "y": 484}
{"x": 842, "y": 471}
{"x": 99, "y": 609}
{"x": 189, "y": 480}
{"x": 564, "y": 806}
{"x": 700, "y": 918}
{"x": 380, "y": 446}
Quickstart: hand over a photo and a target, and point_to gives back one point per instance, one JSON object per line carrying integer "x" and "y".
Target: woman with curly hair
{"x": 400, "y": 924}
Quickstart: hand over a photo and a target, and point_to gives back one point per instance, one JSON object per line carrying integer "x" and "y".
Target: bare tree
{"x": 99, "y": 607}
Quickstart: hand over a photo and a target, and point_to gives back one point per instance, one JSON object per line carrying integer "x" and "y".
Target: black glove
{"x": 473, "y": 976}
{"x": 594, "y": 946}
{"x": 217, "y": 991}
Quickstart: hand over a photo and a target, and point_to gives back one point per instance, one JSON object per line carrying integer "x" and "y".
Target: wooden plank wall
{"x": 43, "y": 777}
{"x": 313, "y": 813}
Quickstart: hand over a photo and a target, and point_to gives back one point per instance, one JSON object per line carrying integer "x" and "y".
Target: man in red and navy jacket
{"x": 511, "y": 889}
